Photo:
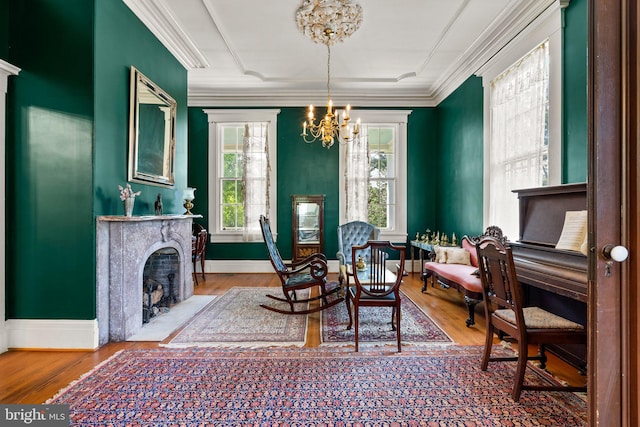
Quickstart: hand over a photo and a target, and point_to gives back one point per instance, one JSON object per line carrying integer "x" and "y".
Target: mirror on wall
{"x": 152, "y": 132}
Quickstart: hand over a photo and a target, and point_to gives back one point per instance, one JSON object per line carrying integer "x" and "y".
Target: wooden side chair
{"x": 198, "y": 248}
{"x": 304, "y": 274}
{"x": 375, "y": 285}
{"x": 505, "y": 312}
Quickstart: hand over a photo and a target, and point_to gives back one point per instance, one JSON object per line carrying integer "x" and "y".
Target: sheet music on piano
{"x": 574, "y": 232}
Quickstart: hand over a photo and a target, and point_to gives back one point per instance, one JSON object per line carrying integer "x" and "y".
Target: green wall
{"x": 575, "y": 129}
{"x": 67, "y": 115}
{"x": 4, "y": 29}
{"x": 459, "y": 164}
{"x": 50, "y": 229}
{"x": 67, "y": 135}
{"x": 459, "y": 161}
{"x": 116, "y": 29}
{"x": 310, "y": 169}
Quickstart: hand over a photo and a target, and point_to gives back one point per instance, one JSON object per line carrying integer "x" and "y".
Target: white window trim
{"x": 239, "y": 116}
{"x": 399, "y": 118}
{"x": 547, "y": 26}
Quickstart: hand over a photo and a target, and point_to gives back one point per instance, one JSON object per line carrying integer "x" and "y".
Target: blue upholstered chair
{"x": 355, "y": 233}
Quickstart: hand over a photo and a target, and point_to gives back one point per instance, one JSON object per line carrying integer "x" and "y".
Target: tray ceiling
{"x": 408, "y": 52}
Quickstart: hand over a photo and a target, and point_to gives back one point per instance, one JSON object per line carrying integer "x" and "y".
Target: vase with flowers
{"x": 128, "y": 196}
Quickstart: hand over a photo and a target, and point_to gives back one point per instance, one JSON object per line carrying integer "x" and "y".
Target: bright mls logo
{"x": 34, "y": 415}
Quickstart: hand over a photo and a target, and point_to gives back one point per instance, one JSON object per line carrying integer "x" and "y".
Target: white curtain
{"x": 518, "y": 142}
{"x": 255, "y": 178}
{"x": 356, "y": 174}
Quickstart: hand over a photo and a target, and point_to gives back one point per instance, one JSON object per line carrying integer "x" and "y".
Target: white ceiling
{"x": 406, "y": 52}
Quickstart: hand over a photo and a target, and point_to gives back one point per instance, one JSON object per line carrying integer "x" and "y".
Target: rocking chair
{"x": 303, "y": 274}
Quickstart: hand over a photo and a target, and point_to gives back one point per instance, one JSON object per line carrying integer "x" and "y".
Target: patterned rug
{"x": 437, "y": 386}
{"x": 236, "y": 319}
{"x": 375, "y": 328}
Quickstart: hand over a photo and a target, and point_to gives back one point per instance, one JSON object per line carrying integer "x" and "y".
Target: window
{"x": 373, "y": 173}
{"x": 522, "y": 91}
{"x": 518, "y": 145}
{"x": 242, "y": 166}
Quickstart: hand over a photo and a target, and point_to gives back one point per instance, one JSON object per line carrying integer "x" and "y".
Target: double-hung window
{"x": 373, "y": 179}
{"x": 522, "y": 90}
{"x": 242, "y": 172}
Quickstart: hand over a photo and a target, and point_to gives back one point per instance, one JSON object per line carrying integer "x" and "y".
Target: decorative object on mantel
{"x": 328, "y": 22}
{"x": 158, "y": 205}
{"x": 128, "y": 196}
{"x": 188, "y": 196}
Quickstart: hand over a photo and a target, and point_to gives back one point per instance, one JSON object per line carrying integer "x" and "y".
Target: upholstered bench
{"x": 456, "y": 268}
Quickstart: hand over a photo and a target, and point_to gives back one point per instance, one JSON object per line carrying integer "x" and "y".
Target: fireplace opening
{"x": 159, "y": 290}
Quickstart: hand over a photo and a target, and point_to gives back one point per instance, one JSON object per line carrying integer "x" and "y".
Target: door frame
{"x": 6, "y": 70}
{"x": 612, "y": 122}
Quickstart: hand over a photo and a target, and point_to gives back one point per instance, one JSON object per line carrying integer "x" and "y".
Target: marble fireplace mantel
{"x": 123, "y": 245}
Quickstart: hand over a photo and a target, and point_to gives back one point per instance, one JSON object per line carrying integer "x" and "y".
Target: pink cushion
{"x": 466, "y": 244}
{"x": 459, "y": 273}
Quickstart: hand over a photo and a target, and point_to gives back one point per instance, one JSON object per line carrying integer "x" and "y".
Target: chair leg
{"x": 347, "y": 300}
{"x": 488, "y": 343}
{"x": 398, "y": 316}
{"x": 202, "y": 266}
{"x": 323, "y": 289}
{"x": 393, "y": 318}
{"x": 520, "y": 370}
{"x": 357, "y": 316}
{"x": 195, "y": 275}
{"x": 542, "y": 356}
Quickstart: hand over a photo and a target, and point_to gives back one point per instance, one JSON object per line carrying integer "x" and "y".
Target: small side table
{"x": 422, "y": 248}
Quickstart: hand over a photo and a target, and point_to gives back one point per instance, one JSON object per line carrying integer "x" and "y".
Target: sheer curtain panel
{"x": 356, "y": 173}
{"x": 518, "y": 135}
{"x": 255, "y": 178}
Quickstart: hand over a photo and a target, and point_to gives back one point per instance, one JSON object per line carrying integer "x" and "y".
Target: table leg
{"x": 413, "y": 249}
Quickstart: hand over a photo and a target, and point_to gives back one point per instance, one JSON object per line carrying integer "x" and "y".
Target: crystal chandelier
{"x": 327, "y": 22}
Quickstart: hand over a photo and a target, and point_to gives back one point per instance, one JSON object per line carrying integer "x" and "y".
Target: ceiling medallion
{"x": 342, "y": 17}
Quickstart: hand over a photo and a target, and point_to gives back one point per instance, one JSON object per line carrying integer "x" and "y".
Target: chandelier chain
{"x": 327, "y": 22}
{"x": 328, "y": 70}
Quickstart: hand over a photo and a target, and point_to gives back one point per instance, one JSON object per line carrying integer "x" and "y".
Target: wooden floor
{"x": 35, "y": 376}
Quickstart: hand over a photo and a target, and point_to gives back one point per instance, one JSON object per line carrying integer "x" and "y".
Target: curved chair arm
{"x": 317, "y": 267}
{"x": 307, "y": 260}
{"x": 342, "y": 259}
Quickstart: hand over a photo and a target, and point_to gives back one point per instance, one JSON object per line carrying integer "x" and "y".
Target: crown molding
{"x": 263, "y": 99}
{"x": 156, "y": 16}
{"x": 511, "y": 23}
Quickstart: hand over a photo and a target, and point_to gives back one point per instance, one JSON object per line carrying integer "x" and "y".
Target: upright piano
{"x": 553, "y": 279}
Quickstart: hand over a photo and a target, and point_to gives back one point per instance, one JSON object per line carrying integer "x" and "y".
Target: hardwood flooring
{"x": 33, "y": 376}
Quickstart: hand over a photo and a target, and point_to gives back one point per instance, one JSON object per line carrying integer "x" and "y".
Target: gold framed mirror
{"x": 152, "y": 132}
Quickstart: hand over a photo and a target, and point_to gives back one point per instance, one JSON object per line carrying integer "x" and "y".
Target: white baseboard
{"x": 3, "y": 335}
{"x": 52, "y": 334}
{"x": 249, "y": 266}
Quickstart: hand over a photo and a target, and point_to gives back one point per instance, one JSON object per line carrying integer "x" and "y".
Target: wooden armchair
{"x": 504, "y": 312}
{"x": 303, "y": 274}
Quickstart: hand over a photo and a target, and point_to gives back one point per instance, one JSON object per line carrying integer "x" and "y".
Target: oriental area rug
{"x": 236, "y": 319}
{"x": 430, "y": 386}
{"x": 375, "y": 327}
